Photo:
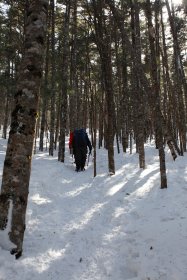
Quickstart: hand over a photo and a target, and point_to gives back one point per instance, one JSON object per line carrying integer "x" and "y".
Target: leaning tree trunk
{"x": 180, "y": 81}
{"x": 118, "y": 16}
{"x": 17, "y": 165}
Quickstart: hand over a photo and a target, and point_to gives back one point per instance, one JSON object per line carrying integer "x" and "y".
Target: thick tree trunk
{"x": 17, "y": 165}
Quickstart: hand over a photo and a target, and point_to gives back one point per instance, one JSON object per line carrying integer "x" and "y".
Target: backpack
{"x": 80, "y": 138}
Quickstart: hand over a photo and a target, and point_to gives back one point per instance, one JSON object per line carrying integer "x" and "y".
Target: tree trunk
{"x": 95, "y": 132}
{"x": 154, "y": 51}
{"x": 104, "y": 47}
{"x": 73, "y": 73}
{"x": 180, "y": 80}
{"x": 17, "y": 165}
{"x": 64, "y": 101}
{"x": 45, "y": 94}
{"x": 139, "y": 112}
{"x": 52, "y": 123}
{"x": 6, "y": 115}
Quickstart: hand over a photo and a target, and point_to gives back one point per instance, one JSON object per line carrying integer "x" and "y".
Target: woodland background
{"x": 117, "y": 68}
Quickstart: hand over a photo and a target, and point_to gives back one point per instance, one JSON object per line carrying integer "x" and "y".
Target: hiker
{"x": 70, "y": 143}
{"x": 80, "y": 142}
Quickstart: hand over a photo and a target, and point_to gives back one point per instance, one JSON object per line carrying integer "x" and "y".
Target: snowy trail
{"x": 81, "y": 224}
{"x": 105, "y": 228}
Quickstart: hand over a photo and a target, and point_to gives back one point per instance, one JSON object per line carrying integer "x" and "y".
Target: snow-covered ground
{"x": 122, "y": 227}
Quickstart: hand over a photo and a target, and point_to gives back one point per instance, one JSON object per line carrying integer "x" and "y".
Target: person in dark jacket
{"x": 80, "y": 142}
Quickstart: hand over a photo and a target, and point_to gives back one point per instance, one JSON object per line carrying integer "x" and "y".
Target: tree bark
{"x": 45, "y": 93}
{"x": 104, "y": 47}
{"x": 53, "y": 95}
{"x": 180, "y": 80}
{"x": 154, "y": 51}
{"x": 139, "y": 112}
{"x": 17, "y": 164}
{"x": 64, "y": 74}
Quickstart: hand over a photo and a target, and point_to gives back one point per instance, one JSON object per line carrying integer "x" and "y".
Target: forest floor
{"x": 122, "y": 227}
